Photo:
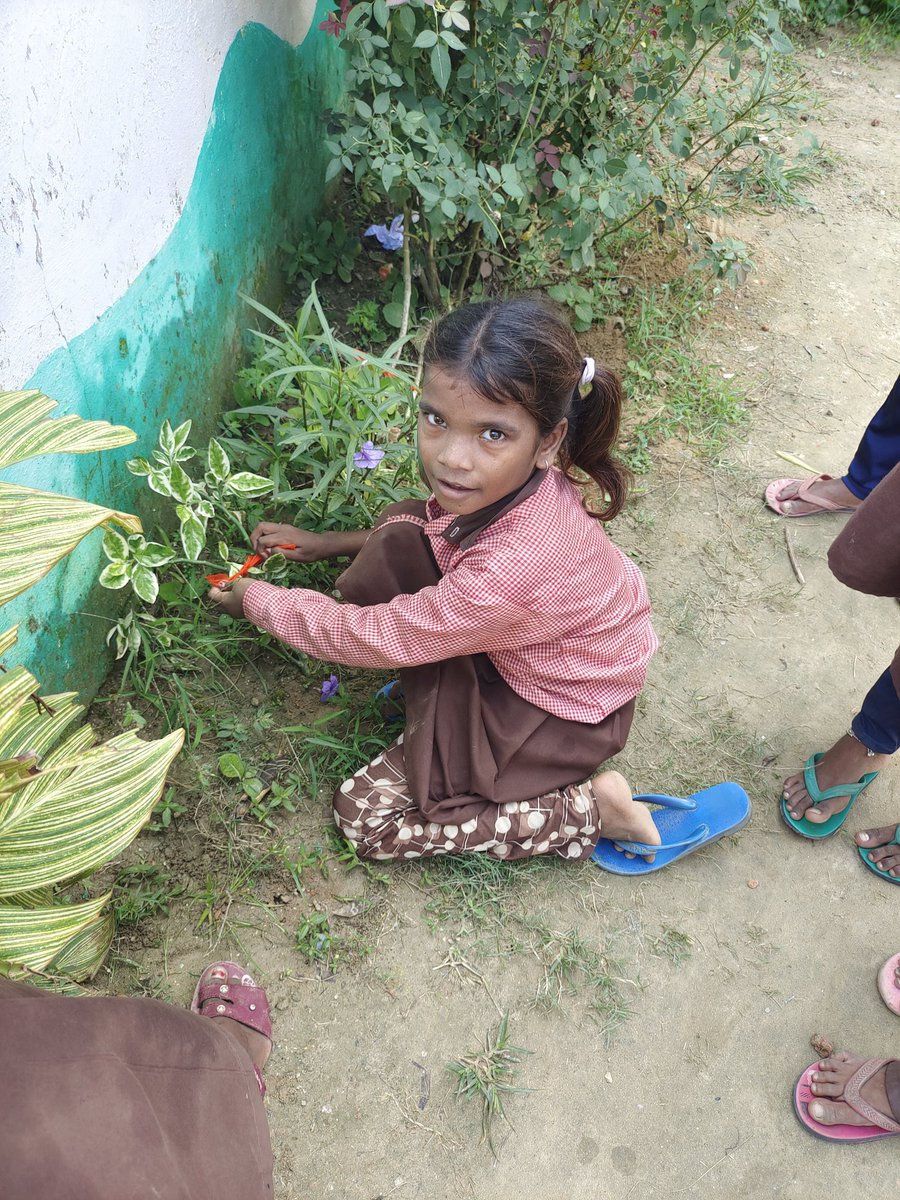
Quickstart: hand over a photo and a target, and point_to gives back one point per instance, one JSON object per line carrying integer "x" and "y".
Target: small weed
{"x": 673, "y": 943}
{"x": 144, "y": 891}
{"x": 488, "y": 1076}
{"x": 304, "y": 858}
{"x": 364, "y": 321}
{"x": 346, "y": 854}
{"x": 569, "y": 965}
{"x": 314, "y": 938}
{"x": 167, "y": 810}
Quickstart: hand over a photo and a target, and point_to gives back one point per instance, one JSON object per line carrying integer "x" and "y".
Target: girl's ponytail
{"x": 593, "y": 429}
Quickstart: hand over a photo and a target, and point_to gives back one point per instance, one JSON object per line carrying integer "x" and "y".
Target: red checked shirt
{"x": 562, "y": 613}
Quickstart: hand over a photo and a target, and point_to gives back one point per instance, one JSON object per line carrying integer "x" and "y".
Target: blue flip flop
{"x": 685, "y": 825}
{"x": 864, "y": 851}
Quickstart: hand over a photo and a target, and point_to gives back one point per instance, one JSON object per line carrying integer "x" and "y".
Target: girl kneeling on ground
{"x": 521, "y": 633}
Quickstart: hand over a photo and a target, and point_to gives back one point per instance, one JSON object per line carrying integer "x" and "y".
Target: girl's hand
{"x": 231, "y": 601}
{"x": 267, "y": 537}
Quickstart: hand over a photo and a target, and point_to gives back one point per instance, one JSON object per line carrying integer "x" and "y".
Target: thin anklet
{"x": 869, "y": 753}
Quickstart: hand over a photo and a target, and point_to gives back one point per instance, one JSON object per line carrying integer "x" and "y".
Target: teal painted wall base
{"x": 169, "y": 347}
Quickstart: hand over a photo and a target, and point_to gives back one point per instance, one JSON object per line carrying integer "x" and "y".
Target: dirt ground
{"x": 730, "y": 960}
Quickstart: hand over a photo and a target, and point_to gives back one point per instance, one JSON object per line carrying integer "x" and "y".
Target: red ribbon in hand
{"x": 222, "y": 581}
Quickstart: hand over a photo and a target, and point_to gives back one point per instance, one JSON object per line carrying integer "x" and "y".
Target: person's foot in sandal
{"x": 622, "y": 818}
{"x": 881, "y": 848}
{"x": 228, "y": 995}
{"x": 827, "y": 1085}
{"x": 822, "y": 493}
{"x": 846, "y": 762}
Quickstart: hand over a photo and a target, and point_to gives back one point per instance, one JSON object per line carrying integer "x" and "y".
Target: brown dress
{"x": 120, "y": 1098}
{"x": 478, "y": 767}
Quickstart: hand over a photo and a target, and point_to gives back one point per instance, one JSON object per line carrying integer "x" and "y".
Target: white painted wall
{"x": 103, "y": 109}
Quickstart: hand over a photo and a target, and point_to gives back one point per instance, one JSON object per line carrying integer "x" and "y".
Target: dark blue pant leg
{"x": 879, "y": 450}
{"x": 877, "y": 724}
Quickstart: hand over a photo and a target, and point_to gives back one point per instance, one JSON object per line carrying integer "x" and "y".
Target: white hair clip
{"x": 588, "y": 373}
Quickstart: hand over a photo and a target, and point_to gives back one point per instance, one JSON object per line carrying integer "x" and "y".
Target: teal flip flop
{"x": 809, "y": 829}
{"x": 873, "y": 866}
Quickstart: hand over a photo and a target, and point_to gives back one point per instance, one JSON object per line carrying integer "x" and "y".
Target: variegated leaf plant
{"x": 67, "y": 804}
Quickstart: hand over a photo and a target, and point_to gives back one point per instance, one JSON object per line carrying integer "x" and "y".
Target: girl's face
{"x": 475, "y": 452}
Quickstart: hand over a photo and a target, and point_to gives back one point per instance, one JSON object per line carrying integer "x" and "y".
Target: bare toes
{"x": 876, "y": 837}
{"x": 830, "y": 1112}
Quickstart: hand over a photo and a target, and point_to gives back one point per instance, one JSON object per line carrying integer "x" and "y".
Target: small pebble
{"x": 876, "y": 122}
{"x": 753, "y": 883}
{"x": 822, "y": 1045}
{"x": 608, "y": 1077}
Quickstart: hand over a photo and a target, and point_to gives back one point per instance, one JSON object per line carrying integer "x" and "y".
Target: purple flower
{"x": 367, "y": 457}
{"x": 329, "y": 687}
{"x": 391, "y": 239}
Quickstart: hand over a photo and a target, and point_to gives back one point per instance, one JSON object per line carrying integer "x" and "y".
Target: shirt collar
{"x": 463, "y": 530}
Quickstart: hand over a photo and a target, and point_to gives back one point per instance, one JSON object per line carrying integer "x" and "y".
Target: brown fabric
{"x": 470, "y": 739}
{"x": 465, "y": 529}
{"x": 375, "y": 811}
{"x": 892, "y": 1086}
{"x": 119, "y": 1098}
{"x": 865, "y": 556}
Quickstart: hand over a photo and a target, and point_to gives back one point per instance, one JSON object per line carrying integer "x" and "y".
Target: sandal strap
{"x": 816, "y": 794}
{"x": 699, "y": 835}
{"x": 803, "y": 494}
{"x": 247, "y": 1005}
{"x": 852, "y": 1097}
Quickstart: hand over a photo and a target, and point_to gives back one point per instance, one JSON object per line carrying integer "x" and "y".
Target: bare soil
{"x": 728, "y": 961}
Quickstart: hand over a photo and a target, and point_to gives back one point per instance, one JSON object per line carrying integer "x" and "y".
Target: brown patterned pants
{"x": 374, "y": 810}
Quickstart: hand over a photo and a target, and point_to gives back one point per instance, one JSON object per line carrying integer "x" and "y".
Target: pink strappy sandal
{"x": 881, "y": 1125}
{"x": 803, "y": 493}
{"x": 225, "y": 989}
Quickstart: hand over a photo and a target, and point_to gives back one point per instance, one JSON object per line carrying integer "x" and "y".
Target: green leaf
{"x": 193, "y": 537}
{"x": 153, "y": 554}
{"x": 440, "y": 65}
{"x": 245, "y": 483}
{"x": 363, "y": 110}
{"x": 138, "y": 466}
{"x": 145, "y": 583}
{"x": 181, "y": 434}
{"x": 425, "y": 40}
{"x": 393, "y": 314}
{"x": 24, "y": 432}
{"x": 381, "y": 103}
{"x": 63, "y": 825}
{"x": 448, "y": 36}
{"x": 180, "y": 482}
{"x": 114, "y": 576}
{"x": 115, "y": 547}
{"x": 232, "y": 766}
{"x": 37, "y": 529}
{"x": 217, "y": 460}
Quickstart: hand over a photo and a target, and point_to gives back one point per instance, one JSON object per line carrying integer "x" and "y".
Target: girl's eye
{"x": 493, "y": 435}
{"x": 432, "y": 419}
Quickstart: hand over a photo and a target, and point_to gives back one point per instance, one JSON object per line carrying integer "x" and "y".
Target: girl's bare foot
{"x": 846, "y": 762}
{"x": 834, "y": 490}
{"x": 887, "y": 857}
{"x": 623, "y": 818}
{"x": 831, "y": 1077}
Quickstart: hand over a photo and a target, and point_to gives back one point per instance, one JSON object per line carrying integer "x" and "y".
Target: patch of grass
{"x": 673, "y": 943}
{"x": 340, "y": 742}
{"x": 474, "y": 890}
{"x": 571, "y": 965}
{"x": 671, "y": 393}
{"x": 143, "y": 891}
{"x": 488, "y": 1075}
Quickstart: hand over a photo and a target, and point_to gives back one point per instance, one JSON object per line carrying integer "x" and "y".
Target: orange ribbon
{"x": 223, "y": 581}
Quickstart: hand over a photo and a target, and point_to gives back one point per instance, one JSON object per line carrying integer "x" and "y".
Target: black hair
{"x": 524, "y": 352}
